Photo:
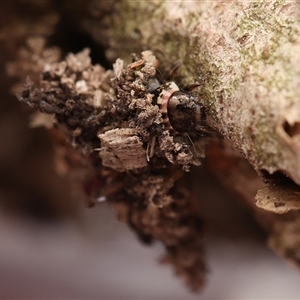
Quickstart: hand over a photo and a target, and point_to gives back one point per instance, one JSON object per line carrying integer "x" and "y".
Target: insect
{"x": 183, "y": 114}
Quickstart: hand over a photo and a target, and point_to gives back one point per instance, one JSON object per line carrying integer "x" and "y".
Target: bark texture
{"x": 246, "y": 57}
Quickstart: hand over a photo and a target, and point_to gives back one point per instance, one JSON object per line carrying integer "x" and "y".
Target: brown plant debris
{"x": 280, "y": 195}
{"x": 123, "y": 151}
{"x": 278, "y": 199}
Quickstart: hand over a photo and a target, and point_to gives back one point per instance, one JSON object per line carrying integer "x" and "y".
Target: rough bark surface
{"x": 245, "y": 55}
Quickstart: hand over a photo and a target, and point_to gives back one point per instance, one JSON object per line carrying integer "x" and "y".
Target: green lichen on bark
{"x": 272, "y": 72}
{"x": 271, "y": 47}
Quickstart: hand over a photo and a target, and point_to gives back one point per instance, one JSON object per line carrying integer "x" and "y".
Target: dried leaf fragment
{"x": 278, "y": 199}
{"x": 125, "y": 145}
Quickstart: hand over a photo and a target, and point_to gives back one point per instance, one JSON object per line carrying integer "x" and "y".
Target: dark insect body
{"x": 181, "y": 111}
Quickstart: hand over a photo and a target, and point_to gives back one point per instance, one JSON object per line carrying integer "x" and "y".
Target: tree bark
{"x": 244, "y": 55}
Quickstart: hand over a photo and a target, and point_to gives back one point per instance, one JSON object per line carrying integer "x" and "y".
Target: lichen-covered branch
{"x": 246, "y": 57}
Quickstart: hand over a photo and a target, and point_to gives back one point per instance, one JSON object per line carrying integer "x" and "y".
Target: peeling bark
{"x": 278, "y": 199}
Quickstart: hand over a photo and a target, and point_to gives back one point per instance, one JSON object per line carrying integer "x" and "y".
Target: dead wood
{"x": 244, "y": 58}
